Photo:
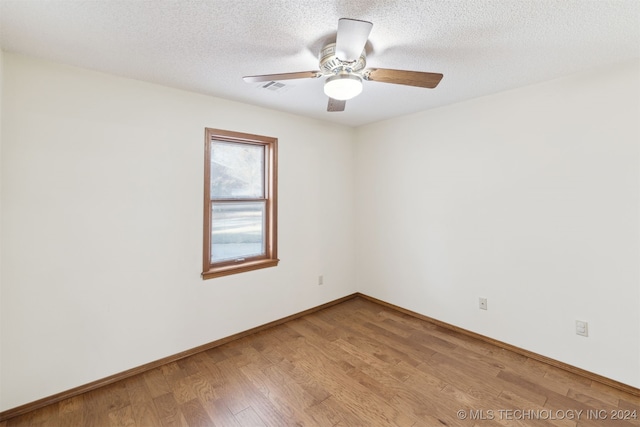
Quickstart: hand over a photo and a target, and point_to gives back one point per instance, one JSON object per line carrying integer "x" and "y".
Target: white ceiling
{"x": 206, "y": 46}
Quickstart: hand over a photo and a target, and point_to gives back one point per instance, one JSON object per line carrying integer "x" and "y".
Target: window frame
{"x": 270, "y": 258}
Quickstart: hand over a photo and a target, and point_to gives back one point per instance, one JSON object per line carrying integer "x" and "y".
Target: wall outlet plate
{"x": 482, "y": 303}
{"x": 582, "y": 328}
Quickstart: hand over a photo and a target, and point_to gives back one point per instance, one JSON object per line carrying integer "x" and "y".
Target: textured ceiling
{"x": 206, "y": 46}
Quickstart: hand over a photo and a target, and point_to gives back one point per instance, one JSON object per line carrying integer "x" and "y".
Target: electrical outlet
{"x": 482, "y": 303}
{"x": 582, "y": 328}
{"x": 320, "y": 280}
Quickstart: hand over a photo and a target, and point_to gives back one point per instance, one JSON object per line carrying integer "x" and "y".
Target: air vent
{"x": 274, "y": 86}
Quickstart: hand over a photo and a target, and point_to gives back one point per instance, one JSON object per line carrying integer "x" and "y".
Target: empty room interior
{"x": 456, "y": 242}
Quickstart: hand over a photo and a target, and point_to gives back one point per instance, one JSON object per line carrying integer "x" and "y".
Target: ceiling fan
{"x": 343, "y": 63}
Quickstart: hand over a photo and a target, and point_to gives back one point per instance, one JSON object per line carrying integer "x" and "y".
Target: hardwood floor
{"x": 354, "y": 364}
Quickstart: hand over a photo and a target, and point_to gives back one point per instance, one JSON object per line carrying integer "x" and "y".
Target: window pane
{"x": 237, "y": 170}
{"x": 237, "y": 230}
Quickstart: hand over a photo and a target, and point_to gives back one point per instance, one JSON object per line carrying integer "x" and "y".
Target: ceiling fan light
{"x": 343, "y": 86}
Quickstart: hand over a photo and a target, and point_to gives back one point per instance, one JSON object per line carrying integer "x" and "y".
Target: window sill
{"x": 234, "y": 269}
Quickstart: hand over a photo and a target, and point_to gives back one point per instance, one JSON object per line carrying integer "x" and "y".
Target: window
{"x": 240, "y": 203}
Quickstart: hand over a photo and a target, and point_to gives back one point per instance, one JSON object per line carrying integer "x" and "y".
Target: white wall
{"x": 102, "y": 182}
{"x": 528, "y": 198}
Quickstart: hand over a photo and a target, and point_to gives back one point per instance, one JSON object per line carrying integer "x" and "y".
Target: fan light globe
{"x": 343, "y": 86}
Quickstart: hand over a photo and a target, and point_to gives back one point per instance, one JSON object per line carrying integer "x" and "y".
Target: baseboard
{"x": 535, "y": 356}
{"x": 28, "y": 407}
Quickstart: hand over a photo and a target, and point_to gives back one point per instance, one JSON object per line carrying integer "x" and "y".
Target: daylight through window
{"x": 240, "y": 203}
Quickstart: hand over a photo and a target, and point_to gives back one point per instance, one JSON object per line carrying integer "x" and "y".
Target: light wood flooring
{"x": 353, "y": 364}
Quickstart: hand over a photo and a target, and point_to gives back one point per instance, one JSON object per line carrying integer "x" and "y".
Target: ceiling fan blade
{"x": 402, "y": 77}
{"x": 283, "y": 76}
{"x": 335, "y": 105}
{"x": 351, "y": 39}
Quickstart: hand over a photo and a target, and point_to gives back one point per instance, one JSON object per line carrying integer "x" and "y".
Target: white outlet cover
{"x": 582, "y": 328}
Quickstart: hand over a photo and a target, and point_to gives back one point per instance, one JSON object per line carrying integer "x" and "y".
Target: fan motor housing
{"x": 331, "y": 64}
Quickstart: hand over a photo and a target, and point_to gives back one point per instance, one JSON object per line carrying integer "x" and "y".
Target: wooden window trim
{"x": 270, "y": 258}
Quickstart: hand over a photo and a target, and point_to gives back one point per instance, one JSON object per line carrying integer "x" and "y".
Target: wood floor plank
{"x": 249, "y": 418}
{"x": 357, "y": 363}
{"x": 169, "y": 411}
{"x": 195, "y": 414}
{"x": 211, "y": 373}
{"x": 71, "y": 419}
{"x": 122, "y": 417}
{"x": 620, "y": 394}
{"x": 156, "y": 382}
{"x": 201, "y": 387}
{"x": 145, "y": 414}
{"x": 407, "y": 343}
{"x": 509, "y": 400}
{"x": 70, "y": 405}
{"x": 376, "y": 365}
{"x": 473, "y": 404}
{"x": 220, "y": 413}
{"x": 137, "y": 390}
{"x": 241, "y": 394}
{"x": 601, "y": 401}
{"x": 353, "y": 395}
{"x": 284, "y": 394}
{"x": 172, "y": 372}
{"x": 304, "y": 379}
{"x": 452, "y": 371}
{"x": 627, "y": 403}
{"x": 427, "y": 409}
{"x": 557, "y": 402}
{"x": 37, "y": 418}
{"x": 330, "y": 412}
{"x": 233, "y": 387}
